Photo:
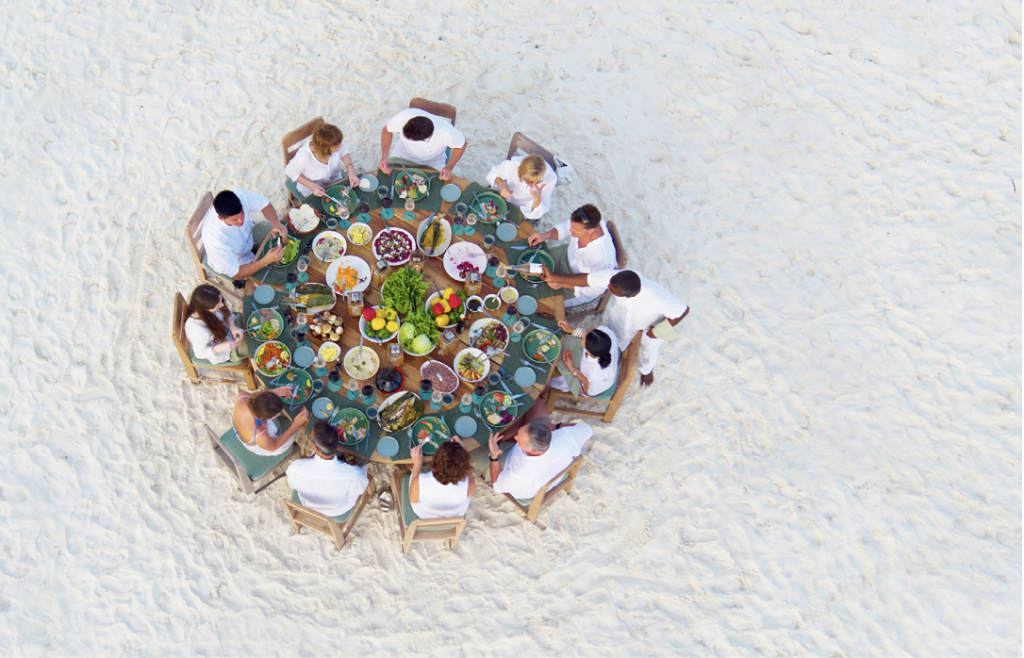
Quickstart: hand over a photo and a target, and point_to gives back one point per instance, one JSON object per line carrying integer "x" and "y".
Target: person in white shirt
{"x": 323, "y": 482}
{"x": 231, "y": 236}
{"x": 317, "y": 164}
{"x": 423, "y": 138}
{"x": 446, "y": 489}
{"x": 639, "y": 305}
{"x": 590, "y": 249}
{"x": 255, "y": 420}
{"x": 600, "y": 362}
{"x": 210, "y": 328}
{"x": 528, "y": 182}
{"x": 538, "y": 454}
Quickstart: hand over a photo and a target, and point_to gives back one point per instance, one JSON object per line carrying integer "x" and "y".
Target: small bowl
{"x": 367, "y": 182}
{"x": 327, "y": 346}
{"x": 509, "y": 292}
{"x": 496, "y": 299}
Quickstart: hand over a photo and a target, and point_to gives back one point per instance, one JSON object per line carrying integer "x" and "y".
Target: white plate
{"x": 362, "y": 330}
{"x": 454, "y": 374}
{"x": 461, "y": 252}
{"x": 446, "y": 227}
{"x": 471, "y": 351}
{"x": 477, "y": 329}
{"x": 373, "y": 359}
{"x": 412, "y": 244}
{"x": 390, "y": 401}
{"x": 320, "y": 239}
{"x": 303, "y": 219}
{"x": 356, "y": 263}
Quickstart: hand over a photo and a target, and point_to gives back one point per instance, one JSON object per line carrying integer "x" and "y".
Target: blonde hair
{"x": 532, "y": 169}
{"x": 325, "y": 140}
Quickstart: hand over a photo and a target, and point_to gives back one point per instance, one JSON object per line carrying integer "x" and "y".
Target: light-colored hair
{"x": 532, "y": 169}
{"x": 325, "y": 140}
{"x": 540, "y": 435}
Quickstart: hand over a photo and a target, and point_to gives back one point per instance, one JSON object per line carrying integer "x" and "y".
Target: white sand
{"x": 829, "y": 463}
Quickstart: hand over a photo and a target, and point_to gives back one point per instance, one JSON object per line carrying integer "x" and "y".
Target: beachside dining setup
{"x": 409, "y": 317}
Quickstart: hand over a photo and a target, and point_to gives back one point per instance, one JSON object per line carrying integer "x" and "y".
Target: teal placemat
{"x": 538, "y": 290}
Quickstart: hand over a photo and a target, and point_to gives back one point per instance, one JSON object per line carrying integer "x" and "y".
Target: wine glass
{"x": 302, "y": 320}
{"x": 410, "y": 205}
{"x": 302, "y": 264}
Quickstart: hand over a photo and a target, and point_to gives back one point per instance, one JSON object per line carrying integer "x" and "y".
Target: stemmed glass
{"x": 302, "y": 265}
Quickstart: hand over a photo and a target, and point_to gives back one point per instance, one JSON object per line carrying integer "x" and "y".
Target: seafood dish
{"x": 329, "y": 246}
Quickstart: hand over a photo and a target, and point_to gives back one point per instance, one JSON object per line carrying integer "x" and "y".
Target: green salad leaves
{"x": 403, "y": 291}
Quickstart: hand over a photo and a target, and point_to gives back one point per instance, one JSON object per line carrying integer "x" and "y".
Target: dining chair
{"x": 335, "y": 527}
{"x": 435, "y": 108}
{"x": 193, "y": 365}
{"x": 254, "y": 472}
{"x": 521, "y": 142}
{"x": 562, "y": 482}
{"x": 610, "y": 399}
{"x": 291, "y": 143}
{"x": 194, "y": 237}
{"x": 621, "y": 261}
{"x": 414, "y": 529}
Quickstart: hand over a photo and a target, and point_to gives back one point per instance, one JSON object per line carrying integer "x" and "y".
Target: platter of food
{"x": 361, "y": 362}
{"x": 462, "y": 258}
{"x": 434, "y": 237}
{"x": 303, "y": 219}
{"x": 541, "y": 346}
{"x": 272, "y": 358}
{"x": 498, "y": 409}
{"x": 489, "y": 336}
{"x": 360, "y": 233}
{"x": 393, "y": 245}
{"x": 400, "y": 411}
{"x": 329, "y": 246}
{"x": 325, "y": 325}
{"x": 313, "y": 298}
{"x": 443, "y": 378}
{"x": 291, "y": 249}
{"x": 429, "y": 432}
{"x": 489, "y": 207}
{"x": 412, "y": 184}
{"x": 301, "y": 383}
{"x": 472, "y": 365}
{"x": 343, "y": 193}
{"x": 351, "y": 424}
{"x": 265, "y": 324}
{"x": 348, "y": 274}
{"x": 541, "y": 257}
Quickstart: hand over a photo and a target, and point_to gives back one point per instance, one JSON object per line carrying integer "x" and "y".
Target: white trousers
{"x": 648, "y": 354}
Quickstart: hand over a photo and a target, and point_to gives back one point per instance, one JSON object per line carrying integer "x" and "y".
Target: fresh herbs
{"x": 403, "y": 291}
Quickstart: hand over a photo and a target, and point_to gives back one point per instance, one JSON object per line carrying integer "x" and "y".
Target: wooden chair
{"x": 414, "y": 529}
{"x": 435, "y": 108}
{"x": 611, "y": 399}
{"x": 289, "y": 141}
{"x": 562, "y": 482}
{"x": 337, "y": 527}
{"x": 621, "y": 261}
{"x": 192, "y": 368}
{"x": 521, "y": 142}
{"x": 194, "y": 237}
{"x": 254, "y": 472}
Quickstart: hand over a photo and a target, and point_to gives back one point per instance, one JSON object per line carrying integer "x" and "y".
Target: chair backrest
{"x": 223, "y": 453}
{"x": 628, "y": 364}
{"x": 300, "y": 515}
{"x": 437, "y": 529}
{"x": 178, "y": 327}
{"x": 294, "y": 137}
{"x": 554, "y": 486}
{"x": 194, "y": 233}
{"x": 435, "y": 108}
{"x": 530, "y": 147}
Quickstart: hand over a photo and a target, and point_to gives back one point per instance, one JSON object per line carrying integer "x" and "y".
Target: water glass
{"x": 460, "y": 210}
{"x": 302, "y": 264}
{"x": 344, "y": 214}
{"x": 332, "y": 223}
{"x": 494, "y": 379}
{"x": 318, "y": 385}
{"x": 353, "y": 390}
{"x": 466, "y": 404}
{"x": 395, "y": 355}
{"x": 382, "y": 191}
{"x": 410, "y": 205}
{"x": 447, "y": 400}
{"x": 372, "y": 413}
{"x": 436, "y": 399}
{"x": 488, "y": 243}
{"x": 320, "y": 366}
{"x": 301, "y": 320}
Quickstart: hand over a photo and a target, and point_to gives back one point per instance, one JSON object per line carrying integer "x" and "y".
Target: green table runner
{"x": 365, "y": 447}
{"x": 514, "y": 214}
{"x": 515, "y": 356}
{"x": 277, "y": 276}
{"x": 535, "y": 290}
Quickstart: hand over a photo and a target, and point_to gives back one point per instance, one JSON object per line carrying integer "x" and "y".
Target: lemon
{"x": 378, "y": 323}
{"x": 442, "y": 320}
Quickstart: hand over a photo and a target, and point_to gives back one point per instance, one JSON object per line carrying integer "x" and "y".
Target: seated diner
{"x": 446, "y": 488}
{"x": 590, "y": 249}
{"x": 423, "y": 138}
{"x": 211, "y": 330}
{"x": 256, "y": 420}
{"x": 231, "y": 235}
{"x": 598, "y": 364}
{"x": 319, "y": 163}
{"x": 323, "y": 482}
{"x": 528, "y": 182}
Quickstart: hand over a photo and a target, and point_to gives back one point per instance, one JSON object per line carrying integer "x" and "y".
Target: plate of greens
{"x": 291, "y": 249}
{"x": 430, "y": 432}
{"x": 267, "y": 324}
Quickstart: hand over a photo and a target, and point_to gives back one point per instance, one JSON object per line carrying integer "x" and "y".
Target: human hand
{"x": 505, "y": 192}
{"x": 446, "y": 174}
{"x": 534, "y": 239}
{"x": 492, "y": 444}
{"x": 457, "y": 439}
{"x": 303, "y": 416}
{"x": 650, "y": 333}
{"x": 417, "y": 457}
{"x": 384, "y": 166}
{"x": 285, "y": 391}
{"x": 535, "y": 191}
{"x": 319, "y": 191}
{"x": 545, "y": 273}
{"x": 279, "y": 230}
{"x": 275, "y": 254}
{"x": 565, "y": 326}
{"x": 353, "y": 181}
{"x": 567, "y": 359}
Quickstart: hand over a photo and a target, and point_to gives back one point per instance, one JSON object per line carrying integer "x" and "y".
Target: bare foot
{"x": 647, "y": 380}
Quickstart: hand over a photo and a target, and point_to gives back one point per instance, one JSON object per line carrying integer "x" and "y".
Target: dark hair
{"x": 540, "y": 435}
{"x": 451, "y": 463}
{"x": 266, "y": 405}
{"x": 325, "y": 438}
{"x": 588, "y": 215}
{"x": 227, "y": 204}
{"x": 418, "y": 129}
{"x": 599, "y": 344}
{"x": 201, "y": 304}
{"x": 625, "y": 284}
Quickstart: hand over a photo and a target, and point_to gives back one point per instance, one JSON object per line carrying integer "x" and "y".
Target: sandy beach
{"x": 829, "y": 462}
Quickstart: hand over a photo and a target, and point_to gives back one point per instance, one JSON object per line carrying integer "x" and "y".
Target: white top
{"x": 600, "y": 379}
{"x": 305, "y": 163}
{"x": 329, "y": 486}
{"x": 508, "y": 171}
{"x": 230, "y": 247}
{"x": 437, "y": 500}
{"x": 431, "y": 151}
{"x": 523, "y": 476}
{"x": 598, "y": 255}
{"x": 201, "y": 338}
{"x": 639, "y": 313}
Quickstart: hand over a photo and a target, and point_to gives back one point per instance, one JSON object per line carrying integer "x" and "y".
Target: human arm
{"x": 446, "y": 173}
{"x": 271, "y": 215}
{"x": 537, "y": 238}
{"x": 317, "y": 189}
{"x": 495, "y": 454}
{"x": 350, "y": 169}
{"x": 248, "y": 269}
{"x": 414, "y": 477}
{"x": 573, "y": 280}
{"x": 385, "y": 148}
{"x": 671, "y": 321}
{"x": 567, "y": 360}
{"x": 472, "y": 484}
{"x": 202, "y": 341}
{"x": 266, "y": 442}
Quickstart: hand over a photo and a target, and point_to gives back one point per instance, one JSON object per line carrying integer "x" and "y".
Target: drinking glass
{"x": 410, "y": 205}
{"x": 318, "y": 385}
{"x": 470, "y": 219}
{"x": 488, "y": 243}
{"x": 447, "y": 400}
{"x": 502, "y": 271}
{"x": 494, "y": 379}
{"x": 353, "y": 390}
{"x": 517, "y": 331}
{"x": 368, "y": 395}
{"x": 395, "y": 355}
{"x": 466, "y": 404}
{"x": 478, "y": 393}
{"x": 435, "y": 400}
{"x": 302, "y": 320}
{"x": 371, "y": 413}
{"x": 460, "y": 210}
{"x": 344, "y": 214}
{"x": 426, "y": 389}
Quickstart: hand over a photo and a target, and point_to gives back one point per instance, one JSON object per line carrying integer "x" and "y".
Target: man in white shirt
{"x": 423, "y": 138}
{"x": 639, "y": 305}
{"x": 324, "y": 483}
{"x": 538, "y": 455}
{"x": 590, "y": 249}
{"x": 230, "y": 234}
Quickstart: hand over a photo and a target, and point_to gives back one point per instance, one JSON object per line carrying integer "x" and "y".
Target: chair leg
{"x": 410, "y": 532}
{"x": 291, "y": 516}
{"x": 338, "y": 535}
{"x": 552, "y": 400}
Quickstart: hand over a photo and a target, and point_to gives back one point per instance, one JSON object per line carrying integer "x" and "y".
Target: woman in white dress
{"x": 600, "y": 363}
{"x": 528, "y": 182}
{"x": 210, "y": 328}
{"x": 446, "y": 489}
{"x": 255, "y": 419}
{"x": 318, "y": 163}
